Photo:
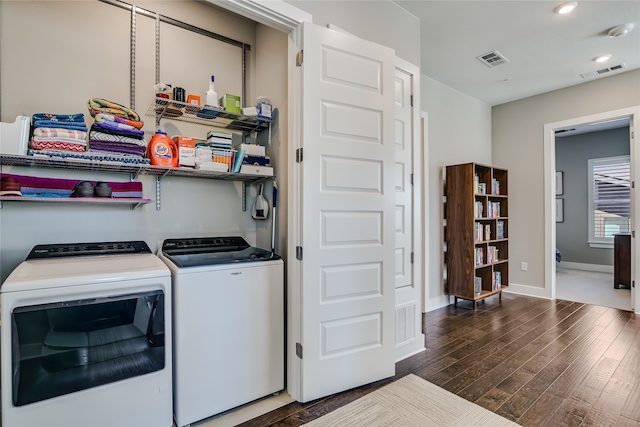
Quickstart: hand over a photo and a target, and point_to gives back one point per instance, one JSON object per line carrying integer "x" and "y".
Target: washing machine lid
{"x": 194, "y": 252}
{"x": 58, "y": 265}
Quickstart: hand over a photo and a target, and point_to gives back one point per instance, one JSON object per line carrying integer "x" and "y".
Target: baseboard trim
{"x": 409, "y": 348}
{"x": 531, "y": 291}
{"x": 436, "y": 303}
{"x": 600, "y": 268}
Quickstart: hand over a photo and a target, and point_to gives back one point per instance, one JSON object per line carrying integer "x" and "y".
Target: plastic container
{"x": 212, "y": 95}
{"x": 162, "y": 151}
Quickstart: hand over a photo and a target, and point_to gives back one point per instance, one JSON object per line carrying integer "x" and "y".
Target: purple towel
{"x": 117, "y": 147}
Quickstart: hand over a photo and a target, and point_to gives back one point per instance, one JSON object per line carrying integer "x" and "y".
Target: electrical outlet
{"x": 523, "y": 266}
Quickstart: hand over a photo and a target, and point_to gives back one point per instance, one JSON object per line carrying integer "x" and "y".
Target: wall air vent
{"x": 492, "y": 59}
{"x": 604, "y": 71}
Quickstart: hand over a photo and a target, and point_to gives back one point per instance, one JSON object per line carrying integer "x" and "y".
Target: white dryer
{"x": 228, "y": 324}
{"x": 86, "y": 337}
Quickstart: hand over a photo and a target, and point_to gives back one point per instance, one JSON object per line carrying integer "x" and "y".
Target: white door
{"x": 408, "y": 274}
{"x": 403, "y": 170}
{"x": 346, "y": 205}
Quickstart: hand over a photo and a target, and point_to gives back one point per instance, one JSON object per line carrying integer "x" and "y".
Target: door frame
{"x": 414, "y": 295}
{"x": 549, "y": 291}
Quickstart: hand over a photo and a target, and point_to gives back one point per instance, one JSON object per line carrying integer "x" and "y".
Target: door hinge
{"x": 299, "y": 155}
{"x": 299, "y": 58}
{"x": 411, "y": 98}
{"x": 299, "y": 253}
{"x": 633, "y": 184}
{"x": 412, "y": 257}
{"x": 633, "y": 234}
{"x": 633, "y": 283}
{"x": 299, "y": 350}
{"x": 411, "y": 179}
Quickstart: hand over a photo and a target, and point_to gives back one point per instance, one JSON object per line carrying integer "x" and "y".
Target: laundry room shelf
{"x": 115, "y": 167}
{"x": 132, "y": 202}
{"x": 132, "y": 169}
{"x": 181, "y": 111}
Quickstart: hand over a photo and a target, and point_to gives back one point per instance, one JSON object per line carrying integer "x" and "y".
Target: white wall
{"x": 381, "y": 22}
{"x": 67, "y": 61}
{"x": 459, "y": 132}
{"x": 518, "y": 144}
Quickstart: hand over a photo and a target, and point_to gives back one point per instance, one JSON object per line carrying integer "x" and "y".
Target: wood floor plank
{"x": 528, "y": 394}
{"x": 534, "y": 361}
{"x": 526, "y": 349}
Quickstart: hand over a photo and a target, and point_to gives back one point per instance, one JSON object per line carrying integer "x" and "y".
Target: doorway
{"x": 633, "y": 113}
{"x": 592, "y": 210}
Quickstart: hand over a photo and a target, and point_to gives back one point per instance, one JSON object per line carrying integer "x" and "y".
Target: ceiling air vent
{"x": 604, "y": 71}
{"x": 492, "y": 59}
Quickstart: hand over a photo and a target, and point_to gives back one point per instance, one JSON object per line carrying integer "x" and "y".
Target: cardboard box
{"x": 231, "y": 103}
{"x": 251, "y": 149}
{"x": 186, "y": 150}
{"x": 257, "y": 170}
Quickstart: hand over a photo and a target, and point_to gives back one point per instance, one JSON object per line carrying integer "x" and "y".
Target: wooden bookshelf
{"x": 477, "y": 231}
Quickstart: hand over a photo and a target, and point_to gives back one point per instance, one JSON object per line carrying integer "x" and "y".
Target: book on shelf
{"x": 500, "y": 230}
{"x": 493, "y": 209}
{"x": 495, "y": 186}
{"x": 476, "y": 183}
{"x": 479, "y": 209}
{"x": 477, "y": 285}
{"x": 487, "y": 232}
{"x": 496, "y": 280}
{"x": 478, "y": 232}
{"x": 479, "y": 256}
{"x": 492, "y": 254}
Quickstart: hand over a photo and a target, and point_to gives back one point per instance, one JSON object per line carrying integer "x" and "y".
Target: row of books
{"x": 493, "y": 210}
{"x": 491, "y": 255}
{"x": 481, "y": 187}
{"x": 482, "y": 232}
{"x": 496, "y": 282}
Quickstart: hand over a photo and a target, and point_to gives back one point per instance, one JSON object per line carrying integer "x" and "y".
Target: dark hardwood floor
{"x": 533, "y": 361}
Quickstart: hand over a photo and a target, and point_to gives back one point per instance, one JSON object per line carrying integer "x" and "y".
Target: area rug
{"x": 410, "y": 401}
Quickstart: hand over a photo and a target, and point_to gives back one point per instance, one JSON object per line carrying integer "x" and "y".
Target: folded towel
{"x": 76, "y": 118}
{"x": 102, "y": 106}
{"x": 59, "y": 133}
{"x": 59, "y": 139}
{"x": 95, "y": 135}
{"x": 101, "y": 118}
{"x": 60, "y": 125}
{"x": 117, "y": 147}
{"x": 116, "y": 130}
{"x": 52, "y": 145}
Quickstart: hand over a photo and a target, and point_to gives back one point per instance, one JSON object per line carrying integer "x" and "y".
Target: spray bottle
{"x": 212, "y": 95}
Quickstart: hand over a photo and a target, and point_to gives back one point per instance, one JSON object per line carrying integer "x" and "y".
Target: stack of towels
{"x": 117, "y": 130}
{"x": 59, "y": 133}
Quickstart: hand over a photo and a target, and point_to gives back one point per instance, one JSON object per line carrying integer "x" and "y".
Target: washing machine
{"x": 86, "y": 337}
{"x": 228, "y": 324}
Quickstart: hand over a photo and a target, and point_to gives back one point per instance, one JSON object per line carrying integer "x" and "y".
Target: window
{"x": 609, "y": 199}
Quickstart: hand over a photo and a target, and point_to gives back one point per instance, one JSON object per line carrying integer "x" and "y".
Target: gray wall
{"x": 96, "y": 64}
{"x": 459, "y": 131}
{"x": 572, "y": 154}
{"x": 518, "y": 144}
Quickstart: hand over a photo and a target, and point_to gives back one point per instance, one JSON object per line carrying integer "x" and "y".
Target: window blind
{"x": 611, "y": 192}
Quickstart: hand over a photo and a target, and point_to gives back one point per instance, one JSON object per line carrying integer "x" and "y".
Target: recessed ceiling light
{"x": 620, "y": 30}
{"x": 566, "y": 7}
{"x": 602, "y": 58}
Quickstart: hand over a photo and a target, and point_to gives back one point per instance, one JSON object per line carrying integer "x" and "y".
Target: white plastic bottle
{"x": 212, "y": 95}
